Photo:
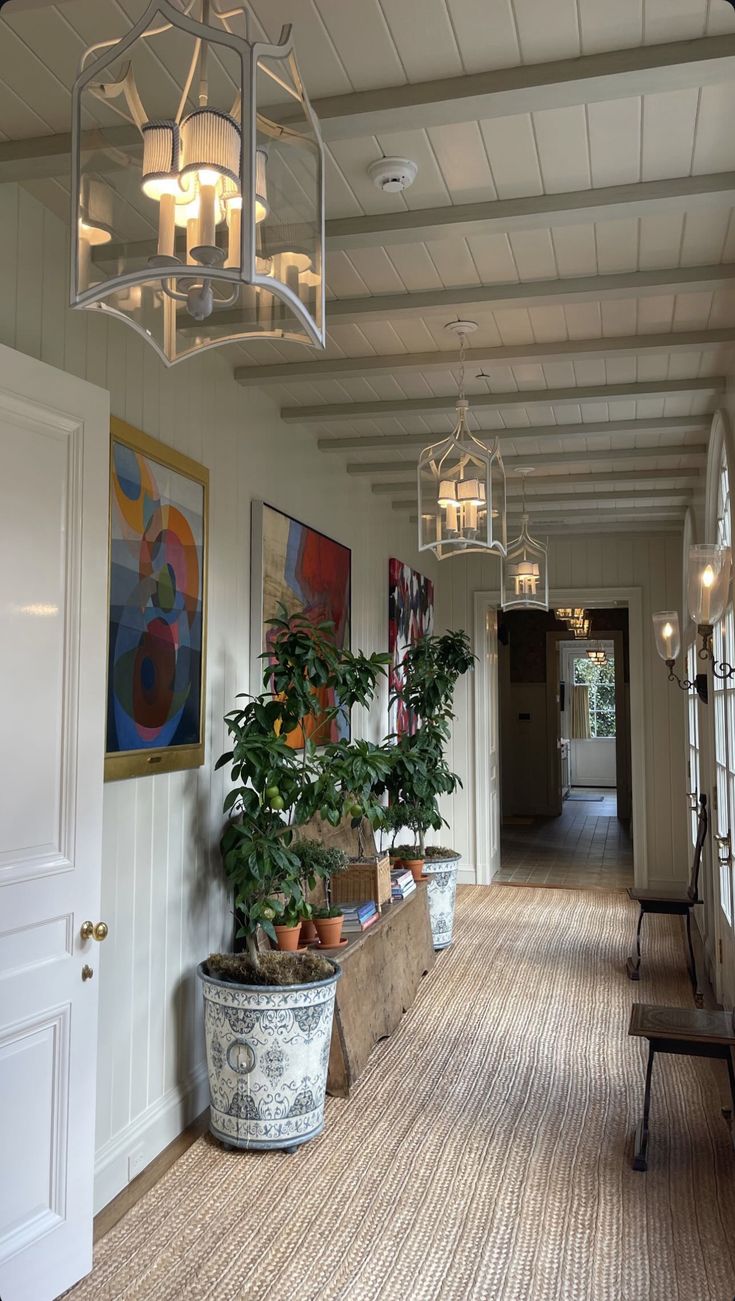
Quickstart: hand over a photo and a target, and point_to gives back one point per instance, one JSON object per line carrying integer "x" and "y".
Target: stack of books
{"x": 402, "y": 883}
{"x": 358, "y": 916}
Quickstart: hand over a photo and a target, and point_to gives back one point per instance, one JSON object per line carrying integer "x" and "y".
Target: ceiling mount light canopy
{"x": 524, "y": 582}
{"x": 205, "y": 224}
{"x": 461, "y": 483}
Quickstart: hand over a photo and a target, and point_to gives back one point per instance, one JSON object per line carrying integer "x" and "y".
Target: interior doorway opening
{"x": 565, "y": 753}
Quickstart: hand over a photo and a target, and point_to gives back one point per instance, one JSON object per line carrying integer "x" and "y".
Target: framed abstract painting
{"x": 300, "y": 568}
{"x": 158, "y": 599}
{"x": 410, "y": 616}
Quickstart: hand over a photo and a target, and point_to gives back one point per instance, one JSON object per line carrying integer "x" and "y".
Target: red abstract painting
{"x": 410, "y": 616}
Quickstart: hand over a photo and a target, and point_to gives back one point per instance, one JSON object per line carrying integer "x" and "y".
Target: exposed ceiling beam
{"x": 574, "y": 501}
{"x": 454, "y": 221}
{"x": 596, "y": 428}
{"x": 352, "y": 367}
{"x": 614, "y": 74}
{"x": 560, "y": 481}
{"x": 329, "y": 411}
{"x": 537, "y": 293}
{"x": 529, "y": 212}
{"x": 693, "y": 451}
{"x": 39, "y": 157}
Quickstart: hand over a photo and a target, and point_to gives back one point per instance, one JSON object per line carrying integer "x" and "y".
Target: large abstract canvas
{"x": 410, "y": 616}
{"x": 300, "y": 568}
{"x": 156, "y": 650}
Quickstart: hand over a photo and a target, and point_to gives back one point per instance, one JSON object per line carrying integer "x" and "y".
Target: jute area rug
{"x": 484, "y": 1154}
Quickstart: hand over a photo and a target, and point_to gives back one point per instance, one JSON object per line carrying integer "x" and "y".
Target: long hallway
{"x": 484, "y": 1155}
{"x": 587, "y": 847}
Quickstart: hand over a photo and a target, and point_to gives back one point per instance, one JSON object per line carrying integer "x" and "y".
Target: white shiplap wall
{"x": 649, "y": 562}
{"x": 161, "y": 894}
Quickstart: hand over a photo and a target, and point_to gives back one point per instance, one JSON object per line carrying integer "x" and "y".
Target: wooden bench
{"x": 682, "y": 1031}
{"x": 382, "y": 969}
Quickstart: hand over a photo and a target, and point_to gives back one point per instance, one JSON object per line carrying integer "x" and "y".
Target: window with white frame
{"x": 600, "y": 682}
{"x": 693, "y": 669}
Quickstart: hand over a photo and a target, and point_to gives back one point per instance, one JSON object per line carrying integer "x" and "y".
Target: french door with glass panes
{"x": 724, "y": 746}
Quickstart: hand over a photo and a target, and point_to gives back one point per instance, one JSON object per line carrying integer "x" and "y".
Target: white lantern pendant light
{"x": 525, "y": 572}
{"x": 461, "y": 483}
{"x": 197, "y": 218}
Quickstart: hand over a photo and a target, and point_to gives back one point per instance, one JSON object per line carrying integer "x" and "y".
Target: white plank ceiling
{"x": 652, "y": 219}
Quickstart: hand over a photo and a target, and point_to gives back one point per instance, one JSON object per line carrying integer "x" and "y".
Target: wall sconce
{"x": 708, "y": 584}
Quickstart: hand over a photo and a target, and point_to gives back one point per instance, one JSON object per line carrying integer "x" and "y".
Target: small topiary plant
{"x": 323, "y": 914}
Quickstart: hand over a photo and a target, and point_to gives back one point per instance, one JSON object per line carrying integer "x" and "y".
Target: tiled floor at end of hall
{"x": 586, "y": 847}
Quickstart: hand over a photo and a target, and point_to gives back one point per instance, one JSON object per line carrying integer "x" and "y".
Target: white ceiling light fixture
{"x": 524, "y": 582}
{"x": 461, "y": 484}
{"x": 233, "y": 200}
{"x": 392, "y": 175}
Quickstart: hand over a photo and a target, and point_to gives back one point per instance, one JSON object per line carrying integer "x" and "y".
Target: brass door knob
{"x": 87, "y": 972}
{"x": 91, "y": 932}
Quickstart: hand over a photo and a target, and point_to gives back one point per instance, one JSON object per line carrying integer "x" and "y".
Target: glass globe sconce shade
{"x": 667, "y": 635}
{"x": 524, "y": 583}
{"x": 461, "y": 494}
{"x": 201, "y": 222}
{"x": 708, "y": 583}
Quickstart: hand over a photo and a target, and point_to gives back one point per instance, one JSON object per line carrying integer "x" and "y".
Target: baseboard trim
{"x": 466, "y": 876}
{"x": 148, "y": 1135}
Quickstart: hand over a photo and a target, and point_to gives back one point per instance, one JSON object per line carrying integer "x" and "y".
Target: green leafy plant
{"x": 323, "y": 914}
{"x": 317, "y": 862}
{"x": 419, "y": 774}
{"x": 275, "y": 787}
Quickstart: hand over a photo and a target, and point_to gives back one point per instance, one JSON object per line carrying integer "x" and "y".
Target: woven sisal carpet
{"x": 484, "y": 1154}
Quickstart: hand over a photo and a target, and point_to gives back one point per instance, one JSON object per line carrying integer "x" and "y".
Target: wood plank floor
{"x": 587, "y": 847}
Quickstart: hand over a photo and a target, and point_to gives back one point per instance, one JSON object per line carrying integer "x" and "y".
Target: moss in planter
{"x": 274, "y": 968}
{"x": 437, "y": 851}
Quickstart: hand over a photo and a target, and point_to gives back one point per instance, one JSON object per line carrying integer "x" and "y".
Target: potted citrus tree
{"x": 268, "y": 1015}
{"x": 420, "y": 774}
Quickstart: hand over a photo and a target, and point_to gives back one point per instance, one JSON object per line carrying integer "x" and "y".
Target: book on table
{"x": 358, "y": 916}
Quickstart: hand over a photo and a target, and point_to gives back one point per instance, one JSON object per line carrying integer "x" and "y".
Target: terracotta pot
{"x": 397, "y": 862}
{"x": 416, "y": 867}
{"x": 288, "y": 937}
{"x": 329, "y": 930}
{"x": 308, "y": 931}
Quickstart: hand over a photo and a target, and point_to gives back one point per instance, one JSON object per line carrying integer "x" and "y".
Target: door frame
{"x": 591, "y": 598}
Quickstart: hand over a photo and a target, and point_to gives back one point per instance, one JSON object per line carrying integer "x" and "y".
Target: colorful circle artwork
{"x": 155, "y": 637}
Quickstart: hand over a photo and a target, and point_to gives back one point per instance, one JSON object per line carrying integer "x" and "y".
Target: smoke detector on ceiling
{"x": 392, "y": 175}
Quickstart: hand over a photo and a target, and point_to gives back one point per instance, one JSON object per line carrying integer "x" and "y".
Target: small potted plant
{"x": 317, "y": 862}
{"x": 288, "y": 928}
{"x": 328, "y": 922}
{"x": 268, "y": 1015}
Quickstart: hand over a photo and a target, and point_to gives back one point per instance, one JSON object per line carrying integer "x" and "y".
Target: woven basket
{"x": 362, "y": 881}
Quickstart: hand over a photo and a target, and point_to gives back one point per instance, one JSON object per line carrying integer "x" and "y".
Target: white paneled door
{"x": 487, "y": 740}
{"x": 54, "y": 441}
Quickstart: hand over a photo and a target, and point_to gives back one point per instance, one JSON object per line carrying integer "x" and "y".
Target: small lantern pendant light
{"x": 200, "y": 222}
{"x": 461, "y": 484}
{"x": 525, "y": 573}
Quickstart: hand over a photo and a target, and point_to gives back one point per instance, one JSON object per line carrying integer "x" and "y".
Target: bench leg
{"x": 633, "y": 965}
{"x": 729, "y": 1111}
{"x": 692, "y": 964}
{"x": 641, "y": 1133}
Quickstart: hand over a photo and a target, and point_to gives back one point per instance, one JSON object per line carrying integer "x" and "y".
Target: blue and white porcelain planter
{"x": 267, "y": 1055}
{"x": 441, "y": 881}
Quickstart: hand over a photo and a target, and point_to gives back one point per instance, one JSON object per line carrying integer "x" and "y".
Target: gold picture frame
{"x": 157, "y": 606}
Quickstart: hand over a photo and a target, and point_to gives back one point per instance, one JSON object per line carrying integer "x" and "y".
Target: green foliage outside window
{"x": 600, "y": 678}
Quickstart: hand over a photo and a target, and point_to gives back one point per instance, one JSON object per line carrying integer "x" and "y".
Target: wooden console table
{"x": 685, "y": 1031}
{"x": 382, "y": 969}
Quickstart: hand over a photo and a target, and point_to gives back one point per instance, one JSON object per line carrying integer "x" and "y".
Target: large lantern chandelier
{"x": 524, "y": 583}
{"x": 461, "y": 483}
{"x": 197, "y": 183}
